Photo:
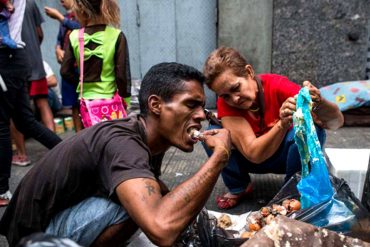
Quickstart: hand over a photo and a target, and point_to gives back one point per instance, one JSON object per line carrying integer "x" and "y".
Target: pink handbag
{"x": 97, "y": 110}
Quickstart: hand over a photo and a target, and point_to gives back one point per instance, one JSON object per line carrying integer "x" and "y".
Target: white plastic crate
{"x": 351, "y": 165}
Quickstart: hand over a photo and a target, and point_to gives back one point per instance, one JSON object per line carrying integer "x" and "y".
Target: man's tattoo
{"x": 185, "y": 193}
{"x": 150, "y": 188}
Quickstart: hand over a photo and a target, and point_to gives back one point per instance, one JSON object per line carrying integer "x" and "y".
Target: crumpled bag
{"x": 315, "y": 186}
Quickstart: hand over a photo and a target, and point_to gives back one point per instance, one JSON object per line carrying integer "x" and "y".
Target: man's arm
{"x": 163, "y": 218}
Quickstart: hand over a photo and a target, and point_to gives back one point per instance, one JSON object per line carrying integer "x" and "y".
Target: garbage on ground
{"x": 288, "y": 232}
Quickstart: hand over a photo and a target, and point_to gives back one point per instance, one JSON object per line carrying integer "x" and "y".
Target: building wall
{"x": 247, "y": 26}
{"x": 323, "y": 41}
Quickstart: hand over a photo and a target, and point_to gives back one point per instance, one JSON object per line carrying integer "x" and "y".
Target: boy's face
{"x": 182, "y": 114}
{"x": 67, "y": 4}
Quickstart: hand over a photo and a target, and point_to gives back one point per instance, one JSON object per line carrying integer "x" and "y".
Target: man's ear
{"x": 249, "y": 69}
{"x": 155, "y": 104}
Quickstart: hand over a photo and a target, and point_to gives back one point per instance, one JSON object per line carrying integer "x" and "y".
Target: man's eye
{"x": 192, "y": 105}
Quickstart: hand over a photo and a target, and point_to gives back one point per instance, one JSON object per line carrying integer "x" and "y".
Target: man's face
{"x": 182, "y": 114}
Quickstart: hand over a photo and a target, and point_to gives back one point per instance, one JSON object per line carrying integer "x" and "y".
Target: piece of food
{"x": 254, "y": 226}
{"x": 247, "y": 234}
{"x": 294, "y": 205}
{"x": 265, "y": 211}
{"x": 196, "y": 134}
{"x": 286, "y": 203}
{"x": 224, "y": 221}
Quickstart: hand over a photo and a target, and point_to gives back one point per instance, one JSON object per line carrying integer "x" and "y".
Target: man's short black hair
{"x": 166, "y": 80}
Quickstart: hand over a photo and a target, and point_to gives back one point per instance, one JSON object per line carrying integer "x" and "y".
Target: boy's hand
{"x": 54, "y": 13}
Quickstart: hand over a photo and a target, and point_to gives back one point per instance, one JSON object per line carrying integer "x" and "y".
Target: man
{"x": 14, "y": 101}
{"x": 106, "y": 176}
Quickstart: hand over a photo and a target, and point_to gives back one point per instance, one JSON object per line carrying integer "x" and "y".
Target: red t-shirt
{"x": 277, "y": 89}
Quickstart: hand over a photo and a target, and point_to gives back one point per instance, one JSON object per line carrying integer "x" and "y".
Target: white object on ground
{"x": 238, "y": 221}
{"x": 351, "y": 165}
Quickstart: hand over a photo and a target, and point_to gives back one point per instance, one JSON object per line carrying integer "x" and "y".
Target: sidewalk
{"x": 178, "y": 166}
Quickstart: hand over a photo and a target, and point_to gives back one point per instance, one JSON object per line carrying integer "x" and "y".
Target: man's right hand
{"x": 219, "y": 140}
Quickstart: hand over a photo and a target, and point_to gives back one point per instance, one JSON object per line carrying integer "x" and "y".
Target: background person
{"x": 96, "y": 186}
{"x": 106, "y": 67}
{"x": 14, "y": 101}
{"x": 258, "y": 109}
{"x": 68, "y": 23}
{"x": 33, "y": 35}
{"x": 54, "y": 97}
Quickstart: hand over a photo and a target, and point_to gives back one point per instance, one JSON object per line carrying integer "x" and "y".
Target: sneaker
{"x": 20, "y": 160}
{"x": 5, "y": 198}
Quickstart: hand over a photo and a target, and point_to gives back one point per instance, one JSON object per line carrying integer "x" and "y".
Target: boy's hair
{"x": 166, "y": 80}
{"x": 104, "y": 10}
{"x": 221, "y": 60}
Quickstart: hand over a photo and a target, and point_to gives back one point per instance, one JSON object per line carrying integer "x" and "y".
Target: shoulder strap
{"x": 81, "y": 47}
{"x": 261, "y": 102}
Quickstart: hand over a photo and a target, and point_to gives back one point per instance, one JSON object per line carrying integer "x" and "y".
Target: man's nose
{"x": 200, "y": 114}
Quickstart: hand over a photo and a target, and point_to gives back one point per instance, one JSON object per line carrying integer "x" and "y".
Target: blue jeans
{"x": 286, "y": 161}
{"x": 54, "y": 102}
{"x": 84, "y": 222}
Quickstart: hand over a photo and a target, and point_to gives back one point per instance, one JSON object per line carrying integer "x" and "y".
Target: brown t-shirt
{"x": 93, "y": 162}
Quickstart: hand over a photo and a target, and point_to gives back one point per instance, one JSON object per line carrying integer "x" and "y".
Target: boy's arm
{"x": 71, "y": 24}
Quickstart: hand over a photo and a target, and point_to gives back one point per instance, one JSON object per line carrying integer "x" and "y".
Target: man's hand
{"x": 54, "y": 13}
{"x": 219, "y": 140}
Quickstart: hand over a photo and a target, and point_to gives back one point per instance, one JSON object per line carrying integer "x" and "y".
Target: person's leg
{"x": 14, "y": 73}
{"x": 20, "y": 158}
{"x": 53, "y": 101}
{"x": 94, "y": 219}
{"x": 235, "y": 176}
{"x": 26, "y": 122}
{"x": 45, "y": 112}
{"x": 76, "y": 118}
{"x": 70, "y": 99}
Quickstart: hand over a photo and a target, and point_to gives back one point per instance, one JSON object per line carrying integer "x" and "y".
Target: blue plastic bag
{"x": 315, "y": 186}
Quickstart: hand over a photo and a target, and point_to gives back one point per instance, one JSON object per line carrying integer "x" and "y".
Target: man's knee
{"x": 116, "y": 235}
